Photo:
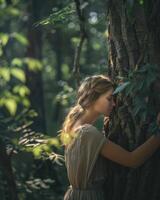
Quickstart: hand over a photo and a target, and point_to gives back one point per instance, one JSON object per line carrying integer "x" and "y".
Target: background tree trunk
{"x": 5, "y": 163}
{"x": 134, "y": 38}
{"x": 34, "y": 79}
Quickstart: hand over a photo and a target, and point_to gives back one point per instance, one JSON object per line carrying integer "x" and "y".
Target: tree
{"x": 133, "y": 38}
{"x": 34, "y": 50}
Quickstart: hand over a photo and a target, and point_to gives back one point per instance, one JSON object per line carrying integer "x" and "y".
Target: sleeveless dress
{"x": 86, "y": 168}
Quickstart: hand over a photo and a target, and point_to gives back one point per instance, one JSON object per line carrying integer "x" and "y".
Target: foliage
{"x": 24, "y": 147}
{"x": 66, "y": 96}
{"x": 14, "y": 91}
{"x": 24, "y": 138}
{"x": 19, "y": 138}
{"x": 62, "y": 16}
{"x": 137, "y": 91}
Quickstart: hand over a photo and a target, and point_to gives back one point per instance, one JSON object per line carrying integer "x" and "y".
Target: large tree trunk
{"x": 34, "y": 79}
{"x": 134, "y": 40}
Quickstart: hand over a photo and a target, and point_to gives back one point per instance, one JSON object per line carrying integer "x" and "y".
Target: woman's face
{"x": 105, "y": 103}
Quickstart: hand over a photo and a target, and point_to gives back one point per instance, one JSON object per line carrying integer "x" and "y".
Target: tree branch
{"x": 83, "y": 36}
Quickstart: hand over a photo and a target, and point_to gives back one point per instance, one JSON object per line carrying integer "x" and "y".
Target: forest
{"x": 46, "y": 49}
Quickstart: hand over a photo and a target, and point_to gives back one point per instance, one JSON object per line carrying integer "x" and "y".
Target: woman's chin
{"x": 106, "y": 114}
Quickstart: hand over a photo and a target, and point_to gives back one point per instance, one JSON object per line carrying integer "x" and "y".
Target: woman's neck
{"x": 89, "y": 117}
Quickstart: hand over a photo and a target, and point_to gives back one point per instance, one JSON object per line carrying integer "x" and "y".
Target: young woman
{"x": 87, "y": 150}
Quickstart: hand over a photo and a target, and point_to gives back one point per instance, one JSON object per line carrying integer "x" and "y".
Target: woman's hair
{"x": 90, "y": 90}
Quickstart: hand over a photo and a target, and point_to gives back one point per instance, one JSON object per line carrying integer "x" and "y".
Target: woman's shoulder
{"x": 86, "y": 131}
{"x": 89, "y": 130}
{"x": 87, "y": 127}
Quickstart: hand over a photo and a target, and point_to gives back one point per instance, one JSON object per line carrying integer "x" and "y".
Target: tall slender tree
{"x": 34, "y": 80}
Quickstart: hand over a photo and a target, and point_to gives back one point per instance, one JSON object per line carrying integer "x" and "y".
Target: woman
{"x": 87, "y": 149}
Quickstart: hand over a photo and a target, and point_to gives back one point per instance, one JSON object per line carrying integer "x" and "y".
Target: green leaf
{"x": 4, "y": 38}
{"x": 2, "y": 1}
{"x": 20, "y": 38}
{"x": 141, "y": 2}
{"x": 11, "y": 106}
{"x": 54, "y": 141}
{"x": 17, "y": 62}
{"x": 96, "y": 46}
{"x": 19, "y": 74}
{"x": 10, "y": 10}
{"x": 75, "y": 40}
{"x": 33, "y": 64}
{"x": 5, "y": 73}
{"x": 1, "y": 51}
{"x": 25, "y": 102}
{"x": 65, "y": 70}
{"x": 33, "y": 113}
{"x": 22, "y": 90}
{"x": 37, "y": 151}
{"x": 121, "y": 87}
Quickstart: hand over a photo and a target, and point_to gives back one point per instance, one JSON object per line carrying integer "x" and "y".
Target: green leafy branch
{"x": 61, "y": 16}
{"x": 139, "y": 94}
{"x": 25, "y": 139}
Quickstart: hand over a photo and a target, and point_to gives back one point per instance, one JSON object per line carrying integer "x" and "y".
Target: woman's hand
{"x": 106, "y": 124}
{"x": 106, "y": 121}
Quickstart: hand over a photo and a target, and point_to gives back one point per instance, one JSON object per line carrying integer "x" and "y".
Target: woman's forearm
{"x": 144, "y": 151}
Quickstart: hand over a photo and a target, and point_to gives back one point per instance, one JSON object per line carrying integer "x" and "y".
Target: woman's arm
{"x": 133, "y": 159}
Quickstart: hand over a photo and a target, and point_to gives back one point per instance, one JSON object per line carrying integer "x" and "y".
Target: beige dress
{"x": 86, "y": 168}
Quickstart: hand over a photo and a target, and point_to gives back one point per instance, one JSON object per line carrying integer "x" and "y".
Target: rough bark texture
{"x": 134, "y": 38}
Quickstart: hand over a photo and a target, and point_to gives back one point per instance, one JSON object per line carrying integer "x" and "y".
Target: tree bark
{"x": 134, "y": 40}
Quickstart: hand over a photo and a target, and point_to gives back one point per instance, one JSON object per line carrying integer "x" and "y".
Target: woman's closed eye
{"x": 109, "y": 98}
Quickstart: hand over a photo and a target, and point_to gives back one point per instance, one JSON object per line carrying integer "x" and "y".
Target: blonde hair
{"x": 89, "y": 91}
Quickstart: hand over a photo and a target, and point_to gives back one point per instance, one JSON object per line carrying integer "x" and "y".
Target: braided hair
{"x": 90, "y": 90}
